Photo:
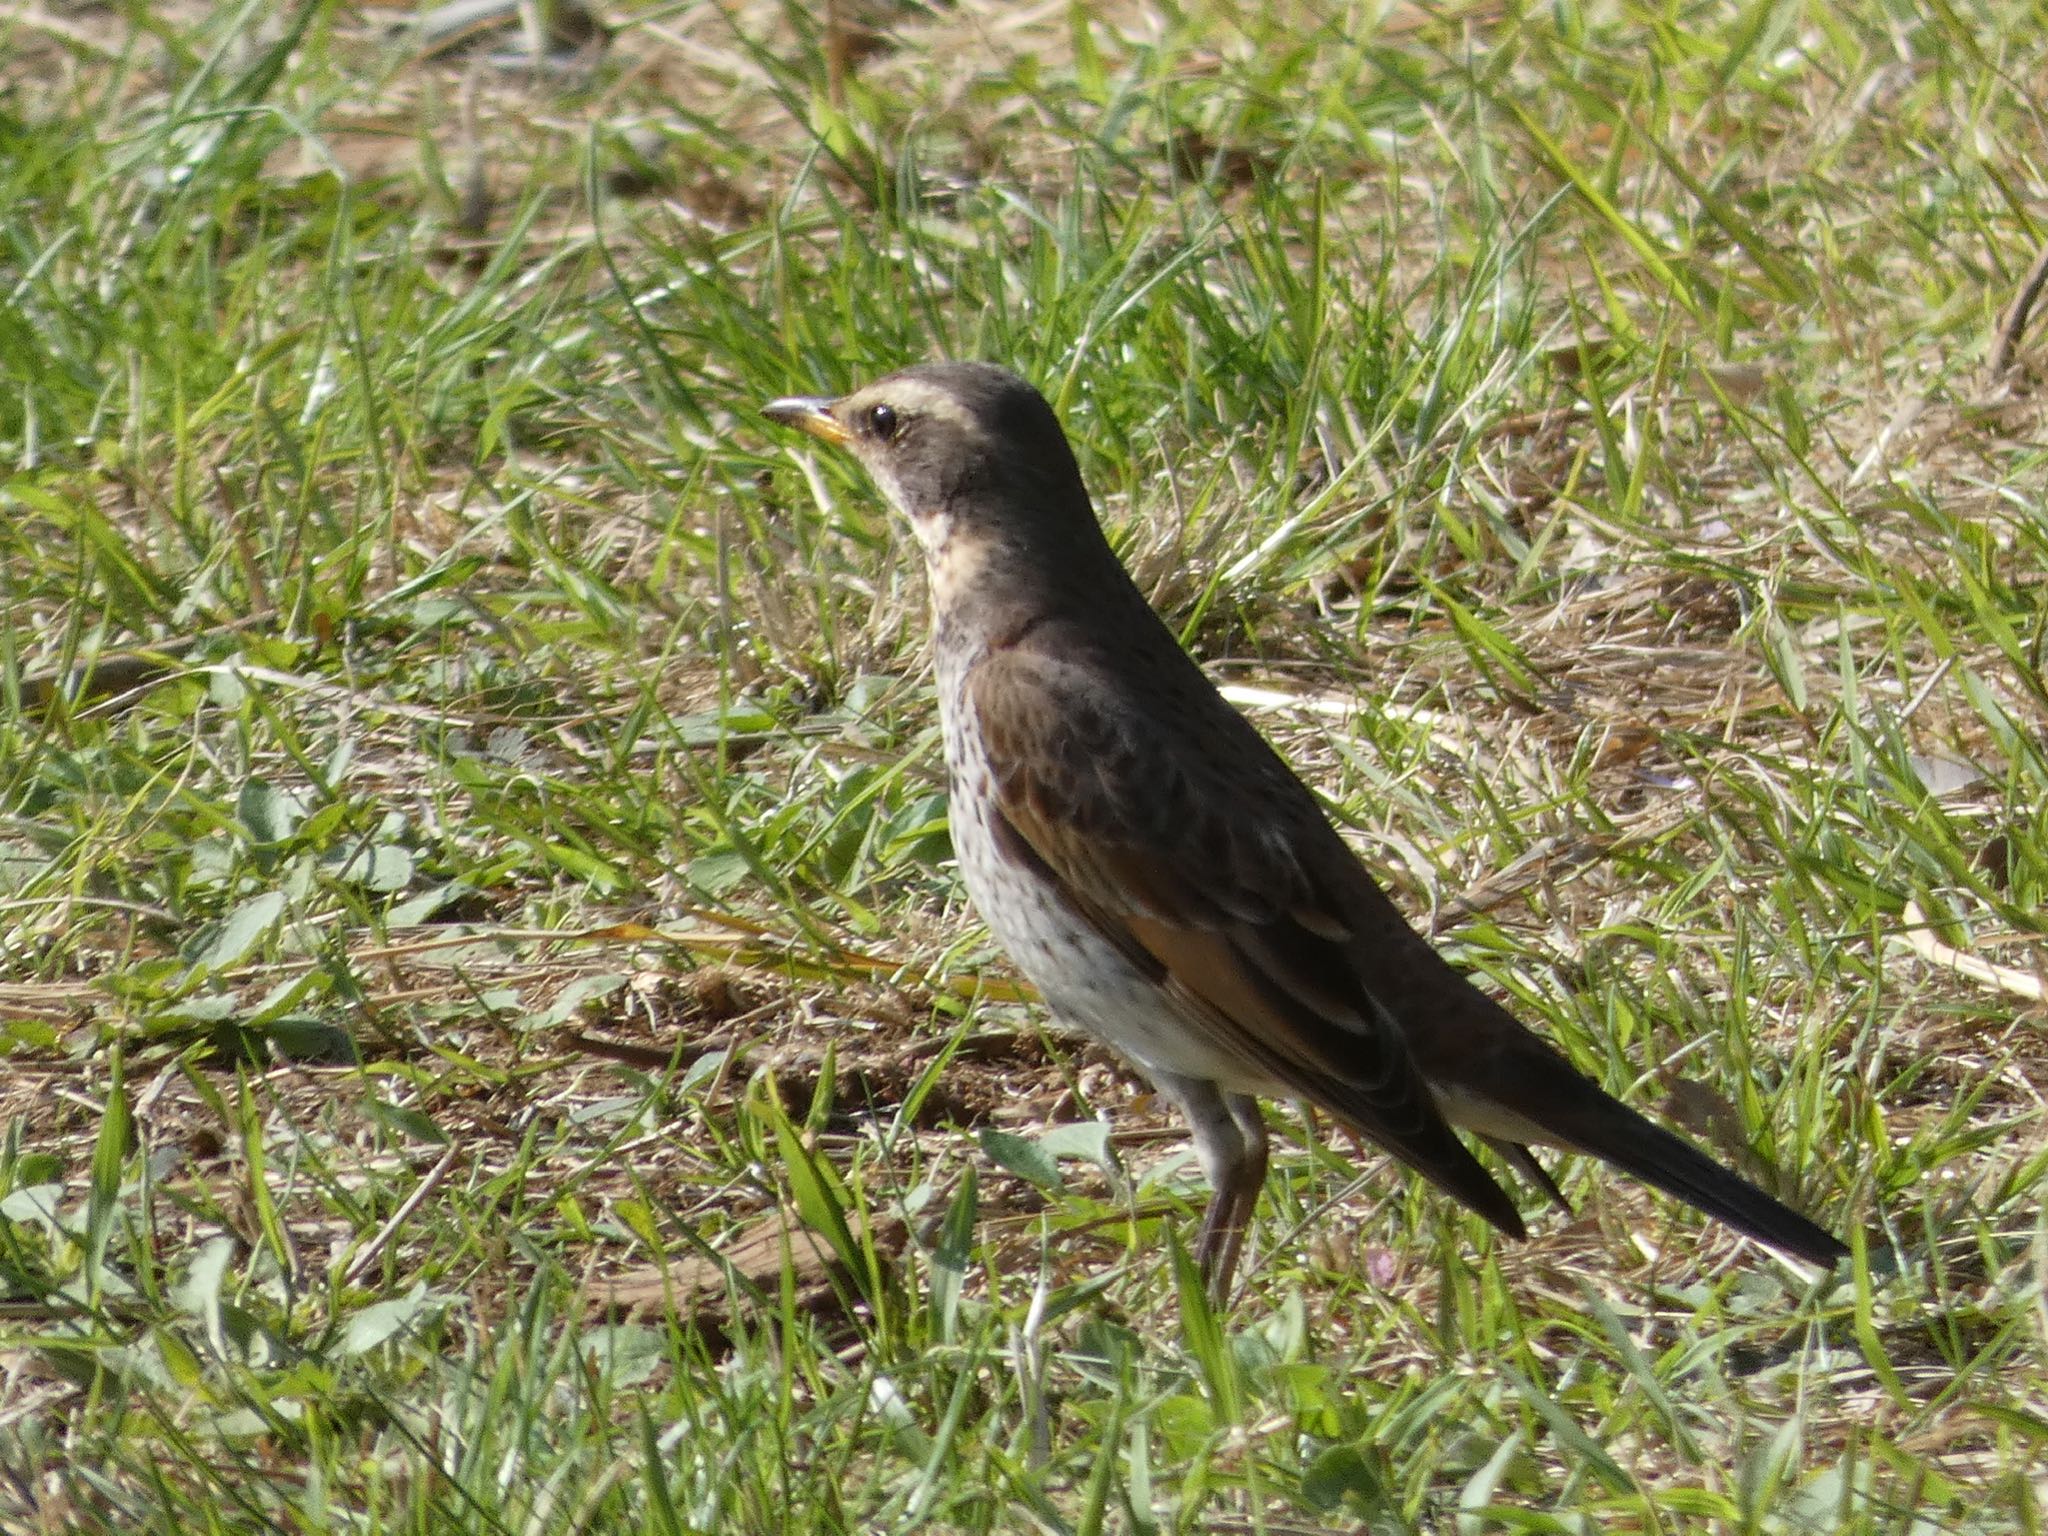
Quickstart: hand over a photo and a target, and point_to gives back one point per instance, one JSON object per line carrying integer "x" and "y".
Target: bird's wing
{"x": 1210, "y": 866}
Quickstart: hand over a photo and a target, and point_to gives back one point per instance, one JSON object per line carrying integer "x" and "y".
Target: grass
{"x": 494, "y": 1041}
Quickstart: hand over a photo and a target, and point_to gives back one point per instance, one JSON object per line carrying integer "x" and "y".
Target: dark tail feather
{"x": 1472, "y": 1185}
{"x": 1523, "y": 1161}
{"x": 1591, "y": 1121}
{"x": 1436, "y": 1153}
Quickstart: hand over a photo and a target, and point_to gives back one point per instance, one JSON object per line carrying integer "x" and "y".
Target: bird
{"x": 1170, "y": 886}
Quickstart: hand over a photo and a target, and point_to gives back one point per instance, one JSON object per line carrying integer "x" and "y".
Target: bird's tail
{"x": 1573, "y": 1111}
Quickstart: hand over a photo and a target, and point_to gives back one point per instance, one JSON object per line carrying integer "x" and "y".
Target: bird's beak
{"x": 811, "y": 412}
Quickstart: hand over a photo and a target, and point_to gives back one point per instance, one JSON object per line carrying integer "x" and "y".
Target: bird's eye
{"x": 882, "y": 422}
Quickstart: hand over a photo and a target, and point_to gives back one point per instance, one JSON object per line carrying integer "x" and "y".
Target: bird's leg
{"x": 1247, "y": 1180}
{"x": 1230, "y": 1143}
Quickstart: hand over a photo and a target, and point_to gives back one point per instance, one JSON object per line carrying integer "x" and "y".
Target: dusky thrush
{"x": 1161, "y": 876}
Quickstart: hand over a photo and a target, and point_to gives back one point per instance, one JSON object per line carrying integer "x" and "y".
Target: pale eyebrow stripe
{"x": 924, "y": 399}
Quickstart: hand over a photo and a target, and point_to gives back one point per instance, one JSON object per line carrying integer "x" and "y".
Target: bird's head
{"x": 969, "y": 453}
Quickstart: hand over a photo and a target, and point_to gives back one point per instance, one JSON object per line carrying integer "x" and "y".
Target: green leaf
{"x": 384, "y": 1320}
{"x": 418, "y": 909}
{"x": 200, "y": 1293}
{"x": 1569, "y": 1433}
{"x": 266, "y": 813}
{"x": 379, "y": 867}
{"x": 821, "y": 1199}
{"x": 1025, "y": 1158}
{"x": 951, "y": 1255}
{"x": 639, "y": 1218}
{"x": 1343, "y": 1471}
{"x": 303, "y": 1037}
{"x": 1086, "y": 1139}
{"x": 409, "y": 1123}
{"x": 109, "y": 1154}
{"x": 239, "y": 932}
